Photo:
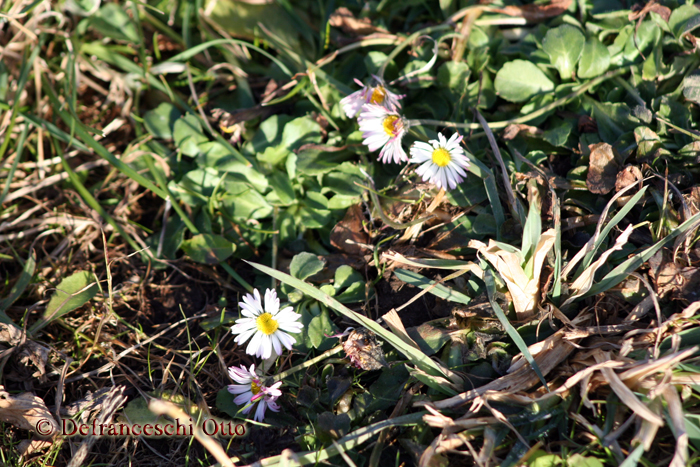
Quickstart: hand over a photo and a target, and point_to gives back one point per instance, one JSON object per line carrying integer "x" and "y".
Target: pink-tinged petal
{"x": 238, "y": 388}
{"x": 243, "y": 398}
{"x": 260, "y": 411}
{"x": 272, "y": 303}
{"x": 272, "y": 405}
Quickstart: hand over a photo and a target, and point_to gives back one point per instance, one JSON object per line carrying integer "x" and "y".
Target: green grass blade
{"x": 439, "y": 290}
{"x": 512, "y": 332}
{"x": 619, "y": 274}
{"x": 480, "y": 169}
{"x": 19, "y": 287}
{"x": 609, "y": 226}
{"x": 418, "y": 358}
{"x": 15, "y": 163}
{"x": 349, "y": 441}
{"x": 85, "y": 136}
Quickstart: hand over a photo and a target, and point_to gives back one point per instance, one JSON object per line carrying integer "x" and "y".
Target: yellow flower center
{"x": 266, "y": 324}
{"x": 441, "y": 157}
{"x": 388, "y": 124}
{"x": 378, "y": 95}
{"x": 254, "y": 388}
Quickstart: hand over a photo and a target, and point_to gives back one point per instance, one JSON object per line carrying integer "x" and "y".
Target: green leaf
{"x": 577, "y": 460}
{"x": 314, "y": 212}
{"x": 684, "y": 19}
{"x": 519, "y": 80}
{"x": 454, "y": 76}
{"x": 160, "y": 121}
{"x": 112, "y": 21}
{"x": 305, "y": 265}
{"x": 187, "y": 133}
{"x": 319, "y": 327}
{"x": 283, "y": 187}
{"x": 595, "y": 59}
{"x": 564, "y": 45}
{"x": 208, "y": 248}
{"x": 691, "y": 87}
{"x": 73, "y": 292}
{"x": 558, "y": 133}
{"x": 542, "y": 459}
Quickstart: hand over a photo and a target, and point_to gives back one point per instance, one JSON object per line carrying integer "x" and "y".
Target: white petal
{"x": 255, "y": 345}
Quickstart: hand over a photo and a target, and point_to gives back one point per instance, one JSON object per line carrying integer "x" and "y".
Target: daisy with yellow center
{"x": 383, "y": 129}
{"x": 267, "y": 325}
{"x": 443, "y": 162}
{"x": 250, "y": 389}
{"x": 377, "y": 95}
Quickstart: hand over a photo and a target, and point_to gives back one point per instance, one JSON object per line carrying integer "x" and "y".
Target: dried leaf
{"x": 10, "y": 334}
{"x": 364, "y": 351}
{"x": 37, "y": 355}
{"x": 512, "y": 130}
{"x": 350, "y": 228}
{"x": 524, "y": 290}
{"x": 536, "y": 13}
{"x": 628, "y": 176}
{"x": 27, "y": 412}
{"x": 602, "y": 169}
{"x": 344, "y": 19}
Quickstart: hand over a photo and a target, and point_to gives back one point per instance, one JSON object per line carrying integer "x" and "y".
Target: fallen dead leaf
{"x": 628, "y": 176}
{"x": 27, "y": 412}
{"x": 602, "y": 169}
{"x": 350, "y": 228}
{"x": 512, "y": 130}
{"x": 536, "y": 13}
{"x": 344, "y": 19}
{"x": 10, "y": 334}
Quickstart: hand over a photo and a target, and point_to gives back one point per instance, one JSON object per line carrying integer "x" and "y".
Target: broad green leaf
{"x": 282, "y": 187}
{"x": 577, "y": 460}
{"x": 320, "y": 327}
{"x": 454, "y": 76}
{"x": 160, "y": 121}
{"x": 314, "y": 212}
{"x": 595, "y": 59}
{"x": 305, "y": 265}
{"x": 73, "y": 292}
{"x": 691, "y": 87}
{"x": 684, "y": 19}
{"x": 187, "y": 133}
{"x": 519, "y": 80}
{"x": 564, "y": 45}
{"x": 558, "y": 133}
{"x": 613, "y": 120}
{"x": 208, "y": 248}
{"x": 247, "y": 204}
{"x": 542, "y": 459}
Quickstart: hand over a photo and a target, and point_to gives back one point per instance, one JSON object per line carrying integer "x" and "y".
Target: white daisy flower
{"x": 442, "y": 161}
{"x": 378, "y": 95}
{"x": 383, "y": 129}
{"x": 250, "y": 389}
{"x": 267, "y": 325}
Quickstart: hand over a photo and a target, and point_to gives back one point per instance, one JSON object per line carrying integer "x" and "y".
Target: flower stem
{"x": 525, "y": 118}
